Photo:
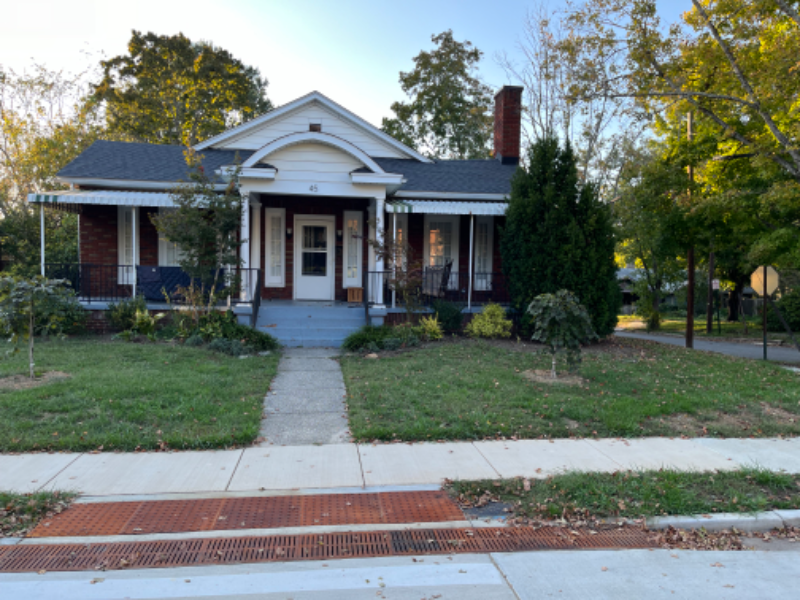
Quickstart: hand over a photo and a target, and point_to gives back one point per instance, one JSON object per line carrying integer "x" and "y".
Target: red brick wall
{"x": 507, "y": 122}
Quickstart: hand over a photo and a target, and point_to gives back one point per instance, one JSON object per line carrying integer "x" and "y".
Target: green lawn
{"x": 475, "y": 390}
{"x": 127, "y": 396}
{"x": 724, "y": 330}
{"x": 635, "y": 494}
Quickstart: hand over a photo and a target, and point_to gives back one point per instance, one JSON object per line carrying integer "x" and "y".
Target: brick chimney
{"x": 507, "y": 123}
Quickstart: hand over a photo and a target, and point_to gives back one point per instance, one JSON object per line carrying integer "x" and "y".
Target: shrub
{"x": 368, "y": 334}
{"x": 193, "y": 341}
{"x": 449, "y": 314}
{"x": 491, "y": 323}
{"x": 226, "y": 346}
{"x": 223, "y": 325}
{"x": 562, "y": 324}
{"x": 431, "y": 329}
{"x": 64, "y": 310}
{"x": 122, "y": 316}
{"x": 789, "y": 306}
{"x": 372, "y": 339}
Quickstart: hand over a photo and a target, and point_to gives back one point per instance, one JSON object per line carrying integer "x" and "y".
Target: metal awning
{"x": 445, "y": 207}
{"x": 105, "y": 197}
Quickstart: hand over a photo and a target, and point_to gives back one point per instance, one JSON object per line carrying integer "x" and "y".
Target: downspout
{"x": 134, "y": 210}
{"x": 41, "y": 236}
{"x": 394, "y": 259}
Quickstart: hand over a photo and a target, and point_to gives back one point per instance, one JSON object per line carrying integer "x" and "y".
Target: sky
{"x": 350, "y": 50}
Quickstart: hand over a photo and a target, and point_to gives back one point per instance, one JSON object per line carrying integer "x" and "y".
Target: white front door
{"x": 313, "y": 258}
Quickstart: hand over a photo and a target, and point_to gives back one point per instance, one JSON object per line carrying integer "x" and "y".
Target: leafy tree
{"x": 562, "y": 324}
{"x": 651, "y": 219}
{"x": 449, "y": 115}
{"x": 733, "y": 65}
{"x": 205, "y": 226}
{"x": 558, "y": 235}
{"x": 44, "y": 124}
{"x": 20, "y": 300}
{"x": 170, "y": 90}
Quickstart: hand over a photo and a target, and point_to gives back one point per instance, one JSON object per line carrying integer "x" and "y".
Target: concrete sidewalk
{"x": 754, "y": 350}
{"x": 291, "y": 468}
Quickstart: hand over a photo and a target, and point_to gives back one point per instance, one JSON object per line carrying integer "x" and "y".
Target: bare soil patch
{"x": 542, "y": 376}
{"x": 23, "y": 382}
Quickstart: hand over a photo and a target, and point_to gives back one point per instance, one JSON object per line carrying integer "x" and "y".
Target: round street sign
{"x": 757, "y": 280}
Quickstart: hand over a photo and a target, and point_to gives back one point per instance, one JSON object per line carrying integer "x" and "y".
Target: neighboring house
{"x": 317, "y": 178}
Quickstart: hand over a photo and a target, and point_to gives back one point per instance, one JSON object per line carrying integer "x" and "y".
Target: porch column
{"x": 244, "y": 248}
{"x": 471, "y": 254}
{"x": 394, "y": 256}
{"x": 255, "y": 247}
{"x": 41, "y": 235}
{"x": 134, "y": 212}
{"x": 380, "y": 213}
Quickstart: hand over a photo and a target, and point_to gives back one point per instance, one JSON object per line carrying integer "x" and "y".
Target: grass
{"x": 128, "y": 396}
{"x": 19, "y": 513}
{"x": 723, "y": 330}
{"x": 635, "y": 494}
{"x": 467, "y": 390}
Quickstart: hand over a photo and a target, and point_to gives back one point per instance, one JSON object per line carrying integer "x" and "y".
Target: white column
{"x": 380, "y": 215}
{"x": 394, "y": 257}
{"x": 41, "y": 236}
{"x": 134, "y": 212}
{"x": 244, "y": 248}
{"x": 471, "y": 254}
{"x": 255, "y": 246}
{"x": 370, "y": 250}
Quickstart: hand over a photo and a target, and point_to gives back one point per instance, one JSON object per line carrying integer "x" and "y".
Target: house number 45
{"x": 313, "y": 188}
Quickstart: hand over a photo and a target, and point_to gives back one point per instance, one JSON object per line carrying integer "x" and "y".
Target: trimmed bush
{"x": 122, "y": 315}
{"x": 225, "y": 346}
{"x": 491, "y": 323}
{"x": 373, "y": 339}
{"x": 431, "y": 329}
{"x": 66, "y": 311}
{"x": 450, "y": 316}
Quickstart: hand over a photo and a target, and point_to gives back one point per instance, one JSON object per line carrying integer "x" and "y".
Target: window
{"x": 126, "y": 243}
{"x": 441, "y": 244}
{"x": 275, "y": 247}
{"x": 169, "y": 255}
{"x": 484, "y": 237}
{"x": 353, "y": 248}
{"x": 402, "y": 235}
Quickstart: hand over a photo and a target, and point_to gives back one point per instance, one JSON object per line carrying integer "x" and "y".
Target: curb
{"x": 752, "y": 522}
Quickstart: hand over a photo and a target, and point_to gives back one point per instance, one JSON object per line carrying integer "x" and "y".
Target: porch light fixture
{"x": 289, "y": 231}
{"x": 338, "y": 233}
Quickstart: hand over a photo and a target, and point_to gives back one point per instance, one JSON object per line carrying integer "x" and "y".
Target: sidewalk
{"x": 292, "y": 468}
{"x": 754, "y": 350}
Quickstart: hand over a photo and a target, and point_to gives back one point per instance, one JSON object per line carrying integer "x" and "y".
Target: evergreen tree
{"x": 559, "y": 235}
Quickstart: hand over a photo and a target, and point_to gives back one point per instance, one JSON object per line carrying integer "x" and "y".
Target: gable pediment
{"x": 312, "y": 112}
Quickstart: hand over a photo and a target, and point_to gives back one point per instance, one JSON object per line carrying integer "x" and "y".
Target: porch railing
{"x": 386, "y": 288}
{"x": 112, "y": 283}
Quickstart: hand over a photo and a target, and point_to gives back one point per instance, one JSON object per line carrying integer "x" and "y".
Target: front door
{"x": 313, "y": 258}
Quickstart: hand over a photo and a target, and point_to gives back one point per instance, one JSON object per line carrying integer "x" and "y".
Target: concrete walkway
{"x": 306, "y": 402}
{"x": 566, "y": 574}
{"x": 279, "y": 469}
{"x": 752, "y": 350}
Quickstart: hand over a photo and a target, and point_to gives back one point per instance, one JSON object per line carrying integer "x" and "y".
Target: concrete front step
{"x": 312, "y": 342}
{"x": 326, "y": 323}
{"x": 310, "y": 325}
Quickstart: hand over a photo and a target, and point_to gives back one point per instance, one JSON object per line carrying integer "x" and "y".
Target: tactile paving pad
{"x": 265, "y": 512}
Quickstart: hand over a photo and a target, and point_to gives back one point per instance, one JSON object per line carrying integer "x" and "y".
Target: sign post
{"x": 764, "y": 281}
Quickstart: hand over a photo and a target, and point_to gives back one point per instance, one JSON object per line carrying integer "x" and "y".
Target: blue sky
{"x": 350, "y": 50}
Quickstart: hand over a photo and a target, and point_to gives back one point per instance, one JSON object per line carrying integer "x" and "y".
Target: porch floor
{"x": 310, "y": 324}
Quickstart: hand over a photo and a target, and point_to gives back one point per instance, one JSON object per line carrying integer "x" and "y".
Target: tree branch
{"x": 785, "y": 7}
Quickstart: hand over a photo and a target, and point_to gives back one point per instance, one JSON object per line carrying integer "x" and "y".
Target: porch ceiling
{"x": 438, "y": 207}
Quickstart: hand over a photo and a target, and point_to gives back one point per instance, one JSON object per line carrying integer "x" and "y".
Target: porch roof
{"x": 106, "y": 197}
{"x": 439, "y": 207}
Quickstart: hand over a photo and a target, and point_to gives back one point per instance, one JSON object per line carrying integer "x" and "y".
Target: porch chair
{"x": 431, "y": 288}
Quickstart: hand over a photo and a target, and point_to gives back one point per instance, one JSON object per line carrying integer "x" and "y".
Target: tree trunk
{"x": 710, "y": 296}
{"x": 734, "y": 302}
{"x": 553, "y": 372}
{"x": 30, "y": 345}
{"x": 690, "y": 298}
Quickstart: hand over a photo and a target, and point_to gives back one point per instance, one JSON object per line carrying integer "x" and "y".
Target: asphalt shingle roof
{"x": 143, "y": 162}
{"x": 153, "y": 162}
{"x": 469, "y": 176}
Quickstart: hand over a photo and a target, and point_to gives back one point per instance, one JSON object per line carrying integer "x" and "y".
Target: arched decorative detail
{"x": 315, "y": 137}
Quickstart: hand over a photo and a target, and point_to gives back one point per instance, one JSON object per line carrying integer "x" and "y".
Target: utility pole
{"x": 710, "y": 300}
{"x": 690, "y": 258}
